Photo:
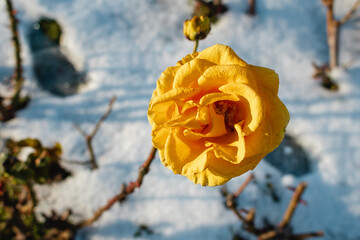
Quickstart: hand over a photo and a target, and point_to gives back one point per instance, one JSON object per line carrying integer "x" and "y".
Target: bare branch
{"x": 282, "y": 231}
{"x": 103, "y": 118}
{"x": 350, "y": 13}
{"x": 17, "y": 51}
{"x": 89, "y": 137}
{"x": 268, "y": 235}
{"x": 308, "y": 235}
{"x": 125, "y": 190}
{"x": 293, "y": 204}
{"x": 244, "y": 185}
{"x": 231, "y": 203}
{"x": 82, "y": 132}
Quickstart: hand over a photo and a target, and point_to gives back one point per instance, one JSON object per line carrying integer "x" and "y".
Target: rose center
{"x": 231, "y": 112}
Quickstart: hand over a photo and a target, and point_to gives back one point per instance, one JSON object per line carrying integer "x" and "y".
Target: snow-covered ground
{"x": 124, "y": 46}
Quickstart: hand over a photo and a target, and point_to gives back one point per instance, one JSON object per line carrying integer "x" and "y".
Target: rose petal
{"x": 230, "y": 147}
{"x": 259, "y": 141}
{"x": 208, "y": 178}
{"x": 167, "y": 106}
{"x": 187, "y": 58}
{"x": 224, "y": 169}
{"x": 221, "y": 55}
{"x": 178, "y": 93}
{"x": 188, "y": 105}
{"x": 216, "y": 76}
{"x": 186, "y": 120}
{"x": 214, "y": 97}
{"x": 218, "y": 171}
{"x": 188, "y": 73}
{"x": 252, "y": 102}
{"x": 179, "y": 148}
{"x": 271, "y": 132}
{"x": 217, "y": 127}
{"x": 203, "y": 115}
{"x": 162, "y": 112}
{"x": 277, "y": 116}
{"x": 197, "y": 165}
{"x": 159, "y": 136}
{"x": 165, "y": 82}
{"x": 266, "y": 77}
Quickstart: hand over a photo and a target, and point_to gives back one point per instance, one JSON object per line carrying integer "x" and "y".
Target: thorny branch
{"x": 125, "y": 190}
{"x": 17, "y": 48}
{"x": 7, "y": 110}
{"x": 283, "y": 230}
{"x": 89, "y": 137}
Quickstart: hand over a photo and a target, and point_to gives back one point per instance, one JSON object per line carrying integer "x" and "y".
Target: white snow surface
{"x": 124, "y": 46}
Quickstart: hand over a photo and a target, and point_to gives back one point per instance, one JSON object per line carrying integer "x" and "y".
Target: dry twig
{"x": 283, "y": 230}
{"x": 231, "y": 197}
{"x": 89, "y": 137}
{"x": 124, "y": 192}
{"x": 350, "y": 13}
{"x": 332, "y": 26}
{"x": 293, "y": 204}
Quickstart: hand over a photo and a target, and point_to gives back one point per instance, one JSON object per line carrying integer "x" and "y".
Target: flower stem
{"x": 196, "y": 46}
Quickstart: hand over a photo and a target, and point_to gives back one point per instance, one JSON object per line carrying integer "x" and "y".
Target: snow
{"x": 123, "y": 46}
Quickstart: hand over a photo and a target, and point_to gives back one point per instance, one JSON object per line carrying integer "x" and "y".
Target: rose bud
{"x": 197, "y": 28}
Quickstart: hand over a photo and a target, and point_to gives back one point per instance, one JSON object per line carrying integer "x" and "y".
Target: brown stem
{"x": 231, "y": 204}
{"x": 89, "y": 137}
{"x": 274, "y": 232}
{"x": 125, "y": 190}
{"x": 308, "y": 235}
{"x": 333, "y": 41}
{"x": 292, "y": 205}
{"x": 104, "y": 116}
{"x": 243, "y": 186}
{"x": 268, "y": 235}
{"x": 250, "y": 216}
{"x": 332, "y": 27}
{"x": 252, "y": 7}
{"x": 93, "y": 161}
{"x": 144, "y": 168}
{"x": 237, "y": 213}
{"x": 17, "y": 51}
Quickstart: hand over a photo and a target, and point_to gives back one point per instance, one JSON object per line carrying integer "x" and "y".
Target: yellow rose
{"x": 214, "y": 117}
